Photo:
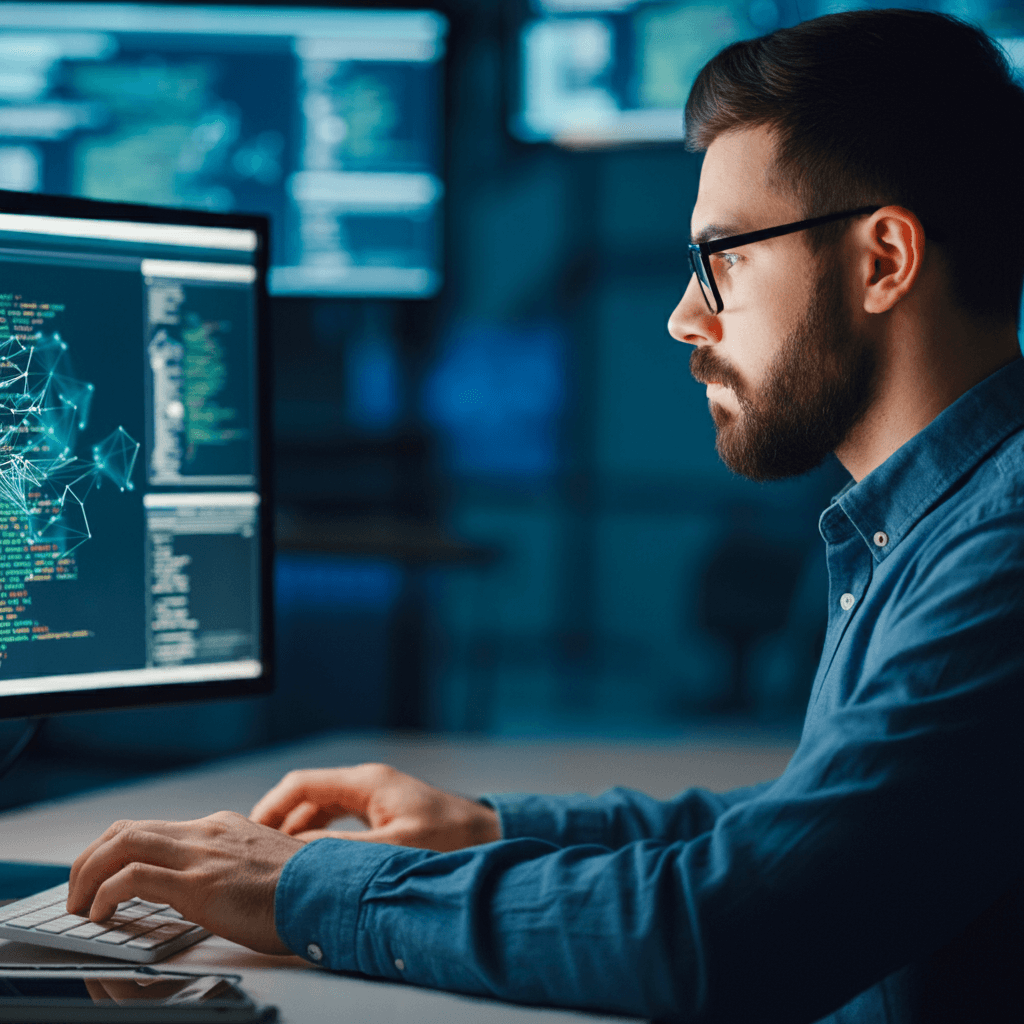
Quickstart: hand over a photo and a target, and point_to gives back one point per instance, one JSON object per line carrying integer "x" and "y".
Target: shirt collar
{"x": 894, "y": 496}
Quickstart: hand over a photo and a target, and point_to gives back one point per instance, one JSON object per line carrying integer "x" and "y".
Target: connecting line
{"x": 21, "y": 745}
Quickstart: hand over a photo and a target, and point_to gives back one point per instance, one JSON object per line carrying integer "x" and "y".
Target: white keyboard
{"x": 138, "y": 931}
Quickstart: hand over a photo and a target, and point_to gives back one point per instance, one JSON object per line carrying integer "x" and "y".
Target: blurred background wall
{"x": 499, "y": 508}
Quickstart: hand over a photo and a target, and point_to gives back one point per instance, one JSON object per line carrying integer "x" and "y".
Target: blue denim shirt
{"x": 824, "y": 894}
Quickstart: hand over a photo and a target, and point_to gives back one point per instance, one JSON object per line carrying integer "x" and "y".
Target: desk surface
{"x": 57, "y": 832}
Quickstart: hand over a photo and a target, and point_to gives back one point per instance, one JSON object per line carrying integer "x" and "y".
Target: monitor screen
{"x": 611, "y": 72}
{"x": 327, "y": 121}
{"x": 134, "y": 548}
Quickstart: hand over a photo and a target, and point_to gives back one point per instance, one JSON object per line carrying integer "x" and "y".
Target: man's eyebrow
{"x": 711, "y": 232}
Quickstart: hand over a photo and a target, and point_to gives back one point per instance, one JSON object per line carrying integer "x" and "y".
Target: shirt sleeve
{"x": 615, "y": 818}
{"x": 895, "y": 824}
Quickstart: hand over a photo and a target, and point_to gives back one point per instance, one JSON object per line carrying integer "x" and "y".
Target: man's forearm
{"x": 614, "y": 818}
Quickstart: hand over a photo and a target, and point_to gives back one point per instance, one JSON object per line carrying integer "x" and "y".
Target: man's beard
{"x": 815, "y": 391}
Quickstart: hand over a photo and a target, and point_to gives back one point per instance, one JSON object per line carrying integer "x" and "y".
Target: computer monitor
{"x": 617, "y": 72}
{"x": 135, "y": 545}
{"x": 326, "y": 120}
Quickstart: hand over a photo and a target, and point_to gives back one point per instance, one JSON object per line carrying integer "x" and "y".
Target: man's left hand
{"x": 220, "y": 872}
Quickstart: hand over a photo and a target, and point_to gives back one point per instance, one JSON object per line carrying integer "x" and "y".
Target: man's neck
{"x": 917, "y": 381}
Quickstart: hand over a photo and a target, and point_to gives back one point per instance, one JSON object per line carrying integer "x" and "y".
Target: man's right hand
{"x": 396, "y": 808}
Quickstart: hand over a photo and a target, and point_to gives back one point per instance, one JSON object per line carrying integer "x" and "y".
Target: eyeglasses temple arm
{"x": 721, "y": 244}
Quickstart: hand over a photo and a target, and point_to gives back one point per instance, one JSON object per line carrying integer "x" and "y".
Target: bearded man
{"x": 858, "y": 256}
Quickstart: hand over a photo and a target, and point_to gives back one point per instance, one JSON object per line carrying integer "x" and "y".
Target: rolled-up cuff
{"x": 317, "y": 901}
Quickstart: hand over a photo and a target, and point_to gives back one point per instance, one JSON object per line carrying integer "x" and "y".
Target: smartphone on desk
{"x": 115, "y": 995}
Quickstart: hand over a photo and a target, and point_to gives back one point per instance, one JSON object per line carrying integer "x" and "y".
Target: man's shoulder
{"x": 974, "y": 531}
{"x": 991, "y": 494}
{"x": 1005, "y": 467}
{"x": 950, "y": 550}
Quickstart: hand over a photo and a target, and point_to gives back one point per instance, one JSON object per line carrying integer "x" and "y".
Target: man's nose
{"x": 691, "y": 321}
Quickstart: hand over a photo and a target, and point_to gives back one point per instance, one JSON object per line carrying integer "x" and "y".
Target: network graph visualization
{"x": 130, "y": 484}
{"x": 43, "y": 409}
{"x": 328, "y": 121}
{"x": 43, "y": 484}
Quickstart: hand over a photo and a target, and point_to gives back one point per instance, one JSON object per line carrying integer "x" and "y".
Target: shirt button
{"x": 400, "y": 964}
{"x": 847, "y": 601}
{"x": 881, "y": 539}
{"x": 314, "y": 952}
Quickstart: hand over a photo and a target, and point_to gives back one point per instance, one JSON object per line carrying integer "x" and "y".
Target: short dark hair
{"x": 893, "y": 106}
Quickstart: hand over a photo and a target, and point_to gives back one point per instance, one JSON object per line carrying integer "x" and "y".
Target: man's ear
{"x": 891, "y": 248}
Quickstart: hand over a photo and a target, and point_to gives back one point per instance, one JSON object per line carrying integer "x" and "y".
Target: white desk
{"x": 57, "y": 832}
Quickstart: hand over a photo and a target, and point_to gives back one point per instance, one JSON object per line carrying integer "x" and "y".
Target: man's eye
{"x": 730, "y": 259}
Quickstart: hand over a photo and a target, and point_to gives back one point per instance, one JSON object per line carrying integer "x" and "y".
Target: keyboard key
{"x": 89, "y": 930}
{"x": 22, "y": 907}
{"x": 155, "y": 937}
{"x": 162, "y": 935}
{"x": 62, "y": 924}
{"x": 150, "y": 941}
{"x": 133, "y": 913}
{"x": 18, "y": 909}
{"x": 140, "y": 927}
{"x": 173, "y": 928}
{"x": 163, "y": 919}
{"x": 38, "y": 917}
{"x": 130, "y": 930}
{"x": 154, "y": 907}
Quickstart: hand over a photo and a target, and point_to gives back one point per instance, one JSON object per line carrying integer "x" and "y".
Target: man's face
{"x": 788, "y": 375}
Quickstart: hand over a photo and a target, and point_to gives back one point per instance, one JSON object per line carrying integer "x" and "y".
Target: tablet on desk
{"x": 108, "y": 995}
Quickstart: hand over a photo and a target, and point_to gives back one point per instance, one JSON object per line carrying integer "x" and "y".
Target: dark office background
{"x": 500, "y": 510}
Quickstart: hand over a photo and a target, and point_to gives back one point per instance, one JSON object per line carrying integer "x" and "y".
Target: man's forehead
{"x": 735, "y": 194}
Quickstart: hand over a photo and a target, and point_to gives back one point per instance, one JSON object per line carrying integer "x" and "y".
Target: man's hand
{"x": 395, "y": 807}
{"x": 220, "y": 872}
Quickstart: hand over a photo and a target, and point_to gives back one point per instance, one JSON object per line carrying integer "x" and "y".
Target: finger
{"x": 146, "y": 881}
{"x": 306, "y": 815}
{"x": 111, "y": 831}
{"x": 336, "y": 790}
{"x": 295, "y": 789}
{"x": 150, "y": 825}
{"x": 132, "y": 844}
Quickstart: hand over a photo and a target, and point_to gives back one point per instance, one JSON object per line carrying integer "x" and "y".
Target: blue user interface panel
{"x": 328, "y": 121}
{"x": 618, "y": 72}
{"x": 129, "y": 454}
{"x": 609, "y": 72}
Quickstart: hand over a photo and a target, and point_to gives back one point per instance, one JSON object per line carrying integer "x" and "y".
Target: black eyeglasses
{"x": 701, "y": 252}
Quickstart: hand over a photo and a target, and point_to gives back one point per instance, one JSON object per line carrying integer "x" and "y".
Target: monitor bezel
{"x": 45, "y": 704}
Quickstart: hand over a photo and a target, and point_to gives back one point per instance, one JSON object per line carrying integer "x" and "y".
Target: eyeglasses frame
{"x": 701, "y": 252}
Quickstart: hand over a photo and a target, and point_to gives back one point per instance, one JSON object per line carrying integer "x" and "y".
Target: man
{"x": 879, "y": 878}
